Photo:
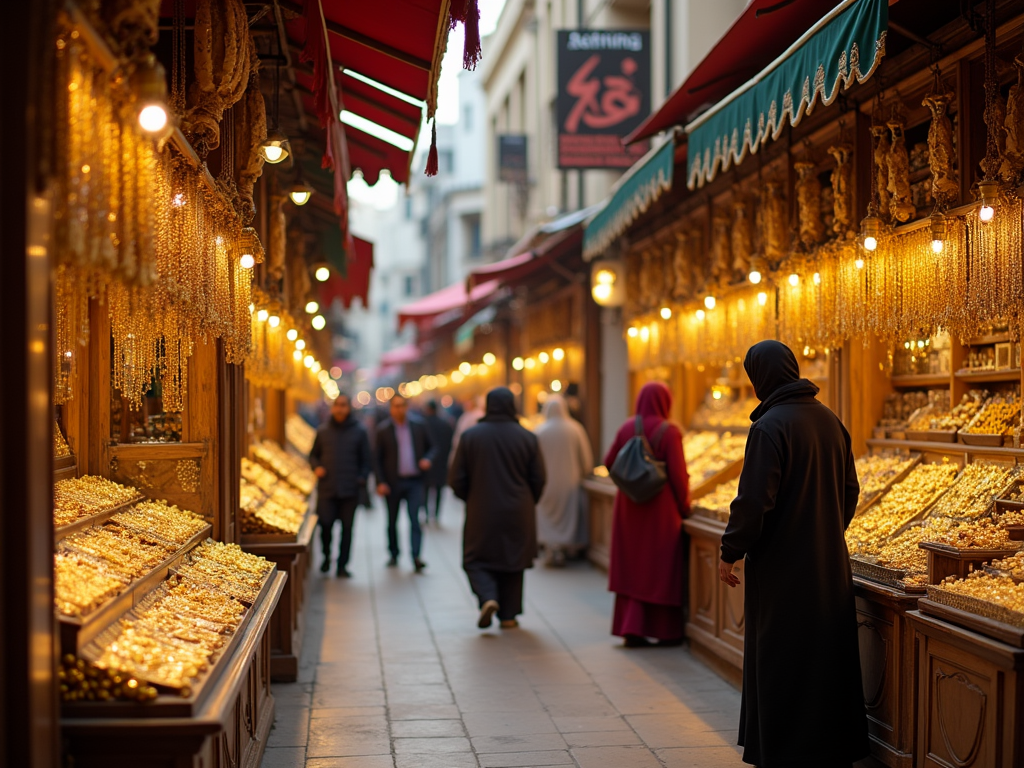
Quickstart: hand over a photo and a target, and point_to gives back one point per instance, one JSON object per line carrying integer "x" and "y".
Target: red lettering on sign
{"x": 620, "y": 100}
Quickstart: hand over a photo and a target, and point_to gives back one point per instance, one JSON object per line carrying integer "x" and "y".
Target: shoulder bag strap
{"x": 660, "y": 433}
{"x": 641, "y": 435}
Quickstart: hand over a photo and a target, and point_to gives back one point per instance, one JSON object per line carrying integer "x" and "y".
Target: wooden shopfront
{"x": 876, "y": 263}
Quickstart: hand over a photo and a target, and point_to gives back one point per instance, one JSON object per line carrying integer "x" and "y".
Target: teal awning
{"x": 844, "y": 48}
{"x": 633, "y": 194}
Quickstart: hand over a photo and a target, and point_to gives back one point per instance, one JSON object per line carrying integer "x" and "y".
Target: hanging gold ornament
{"x": 741, "y": 237}
{"x": 898, "y": 161}
{"x": 941, "y": 155}
{"x": 842, "y": 192}
{"x": 772, "y": 219}
{"x": 1012, "y": 169}
{"x": 808, "y": 204}
{"x": 880, "y": 136}
{"x": 721, "y": 247}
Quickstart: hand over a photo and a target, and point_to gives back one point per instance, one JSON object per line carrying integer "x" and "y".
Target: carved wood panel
{"x": 704, "y": 584}
{"x": 961, "y": 710}
{"x": 731, "y": 611}
{"x": 877, "y": 665}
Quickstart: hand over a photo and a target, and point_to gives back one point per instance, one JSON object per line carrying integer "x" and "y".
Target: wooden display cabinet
{"x": 601, "y": 505}
{"x": 970, "y": 695}
{"x": 293, "y": 556}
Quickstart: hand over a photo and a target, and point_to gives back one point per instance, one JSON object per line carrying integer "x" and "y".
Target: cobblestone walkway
{"x": 396, "y": 675}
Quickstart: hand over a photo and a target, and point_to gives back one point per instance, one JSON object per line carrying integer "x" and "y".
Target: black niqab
{"x": 501, "y": 405}
{"x": 775, "y": 374}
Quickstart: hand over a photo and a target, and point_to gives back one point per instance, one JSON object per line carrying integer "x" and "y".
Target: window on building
{"x": 471, "y": 224}
{"x": 445, "y": 161}
{"x": 408, "y": 285}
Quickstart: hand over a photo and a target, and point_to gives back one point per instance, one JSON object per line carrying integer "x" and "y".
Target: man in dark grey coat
{"x": 340, "y": 457}
{"x": 498, "y": 471}
{"x": 803, "y": 702}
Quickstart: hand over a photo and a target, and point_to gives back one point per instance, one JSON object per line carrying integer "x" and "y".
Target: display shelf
{"x": 915, "y": 380}
{"x": 954, "y": 609}
{"x": 899, "y": 477}
{"x": 989, "y": 377}
{"x": 77, "y": 631}
{"x": 992, "y": 338}
{"x": 948, "y": 448}
{"x": 229, "y": 727}
{"x": 293, "y": 556}
{"x": 601, "y": 506}
{"x": 87, "y": 522}
{"x": 729, "y": 472}
{"x": 305, "y": 531}
{"x": 945, "y": 560}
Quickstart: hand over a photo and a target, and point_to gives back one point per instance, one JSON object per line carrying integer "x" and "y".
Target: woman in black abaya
{"x": 803, "y": 704}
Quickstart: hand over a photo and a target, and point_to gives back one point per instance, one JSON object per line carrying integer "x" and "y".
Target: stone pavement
{"x": 395, "y": 674}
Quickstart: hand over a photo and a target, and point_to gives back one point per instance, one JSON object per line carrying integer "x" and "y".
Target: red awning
{"x": 759, "y": 36}
{"x": 407, "y": 353}
{"x": 523, "y": 264}
{"x": 453, "y": 298}
{"x": 356, "y": 283}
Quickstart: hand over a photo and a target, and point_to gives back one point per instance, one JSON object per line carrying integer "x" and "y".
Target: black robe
{"x": 498, "y": 471}
{"x": 803, "y": 702}
{"x": 441, "y": 433}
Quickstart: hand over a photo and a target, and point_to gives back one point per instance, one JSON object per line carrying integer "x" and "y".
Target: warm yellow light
{"x": 556, "y": 386}
{"x": 518, "y": 364}
{"x": 605, "y": 277}
{"x": 300, "y": 196}
{"x": 558, "y": 353}
{"x": 315, "y": 367}
{"x": 274, "y": 321}
{"x": 465, "y": 368}
{"x": 312, "y": 307}
{"x": 247, "y": 261}
{"x": 762, "y": 298}
{"x": 262, "y": 315}
{"x": 817, "y": 278}
{"x": 794, "y": 279}
{"x": 870, "y": 243}
{"x": 601, "y": 292}
{"x": 322, "y": 376}
{"x": 252, "y": 308}
{"x": 297, "y": 355}
{"x": 530, "y": 363}
{"x": 430, "y": 383}
{"x": 632, "y": 331}
{"x": 300, "y": 344}
{"x": 716, "y": 394}
{"x": 153, "y": 118}
{"x": 322, "y": 273}
{"x": 318, "y": 322}
{"x": 308, "y": 361}
{"x": 544, "y": 357}
{"x": 754, "y": 277}
{"x": 937, "y": 246}
{"x": 490, "y": 359}
{"x": 457, "y": 377}
{"x": 709, "y": 302}
{"x": 442, "y": 380}
{"x": 986, "y": 212}
{"x": 859, "y": 263}
{"x": 701, "y": 314}
{"x": 273, "y": 154}
{"x": 666, "y": 313}
{"x": 292, "y": 334}
{"x": 645, "y": 333}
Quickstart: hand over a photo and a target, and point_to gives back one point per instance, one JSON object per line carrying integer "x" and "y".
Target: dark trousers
{"x": 328, "y": 511}
{"x": 409, "y": 489}
{"x": 506, "y": 587}
{"x": 437, "y": 490}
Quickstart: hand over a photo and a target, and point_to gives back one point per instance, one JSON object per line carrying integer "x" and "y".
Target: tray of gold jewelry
{"x": 81, "y": 620}
{"x": 309, "y": 521}
{"x": 984, "y": 616}
{"x": 175, "y": 638}
{"x": 878, "y": 473}
{"x": 81, "y": 502}
{"x": 880, "y": 574}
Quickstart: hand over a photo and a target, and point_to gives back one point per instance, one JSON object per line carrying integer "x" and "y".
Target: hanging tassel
{"x": 471, "y": 52}
{"x": 432, "y": 154}
{"x": 458, "y": 12}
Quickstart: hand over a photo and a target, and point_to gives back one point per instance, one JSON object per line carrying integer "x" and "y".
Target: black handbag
{"x": 635, "y": 470}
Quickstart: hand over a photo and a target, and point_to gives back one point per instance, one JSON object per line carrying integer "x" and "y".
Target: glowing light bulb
{"x": 754, "y": 277}
{"x": 666, "y": 313}
{"x": 312, "y": 307}
{"x": 247, "y": 261}
{"x": 558, "y": 354}
{"x": 645, "y": 333}
{"x": 274, "y": 321}
{"x": 709, "y": 302}
{"x": 605, "y": 277}
{"x": 530, "y": 363}
{"x": 518, "y": 364}
{"x": 465, "y": 368}
{"x": 544, "y": 357}
{"x": 701, "y": 314}
{"x": 490, "y": 359}
{"x": 336, "y": 372}
{"x": 318, "y": 322}
{"x": 300, "y": 196}
{"x": 762, "y": 298}
{"x": 986, "y": 212}
{"x": 556, "y": 386}
{"x": 321, "y": 274}
{"x": 870, "y": 243}
{"x": 153, "y": 118}
{"x": 794, "y": 279}
{"x": 937, "y": 246}
{"x": 308, "y": 361}
{"x": 817, "y": 278}
{"x": 297, "y": 355}
{"x": 315, "y": 367}
{"x": 273, "y": 154}
{"x": 292, "y": 335}
{"x": 252, "y": 308}
{"x": 262, "y": 315}
{"x": 859, "y": 263}
{"x": 633, "y": 332}
{"x": 300, "y": 344}
{"x": 601, "y": 292}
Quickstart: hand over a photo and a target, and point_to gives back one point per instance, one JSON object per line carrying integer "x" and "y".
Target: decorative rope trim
{"x": 628, "y": 212}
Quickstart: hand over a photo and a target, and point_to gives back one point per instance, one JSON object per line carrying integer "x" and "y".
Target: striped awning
{"x": 843, "y": 48}
{"x": 633, "y": 194}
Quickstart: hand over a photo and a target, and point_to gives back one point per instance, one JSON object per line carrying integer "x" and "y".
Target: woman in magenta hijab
{"x": 647, "y": 568}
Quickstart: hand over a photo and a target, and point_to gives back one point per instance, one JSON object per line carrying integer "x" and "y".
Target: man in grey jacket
{"x": 340, "y": 457}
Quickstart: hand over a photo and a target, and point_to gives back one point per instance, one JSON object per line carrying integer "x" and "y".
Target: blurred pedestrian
{"x": 498, "y": 471}
{"x": 568, "y": 458}
{"x": 441, "y": 434}
{"x": 803, "y": 701}
{"x": 340, "y": 458}
{"x": 473, "y": 411}
{"x": 403, "y": 454}
{"x": 647, "y": 563}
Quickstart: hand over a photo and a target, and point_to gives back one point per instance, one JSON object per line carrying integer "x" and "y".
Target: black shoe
{"x": 393, "y": 562}
{"x": 636, "y": 641}
{"x": 343, "y": 573}
{"x": 325, "y": 566}
{"x": 487, "y": 611}
{"x": 419, "y": 564}
{"x": 674, "y": 643}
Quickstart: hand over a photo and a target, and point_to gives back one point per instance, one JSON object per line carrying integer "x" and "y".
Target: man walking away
{"x": 404, "y": 452}
{"x": 340, "y": 457}
{"x": 441, "y": 433}
{"x": 498, "y": 471}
